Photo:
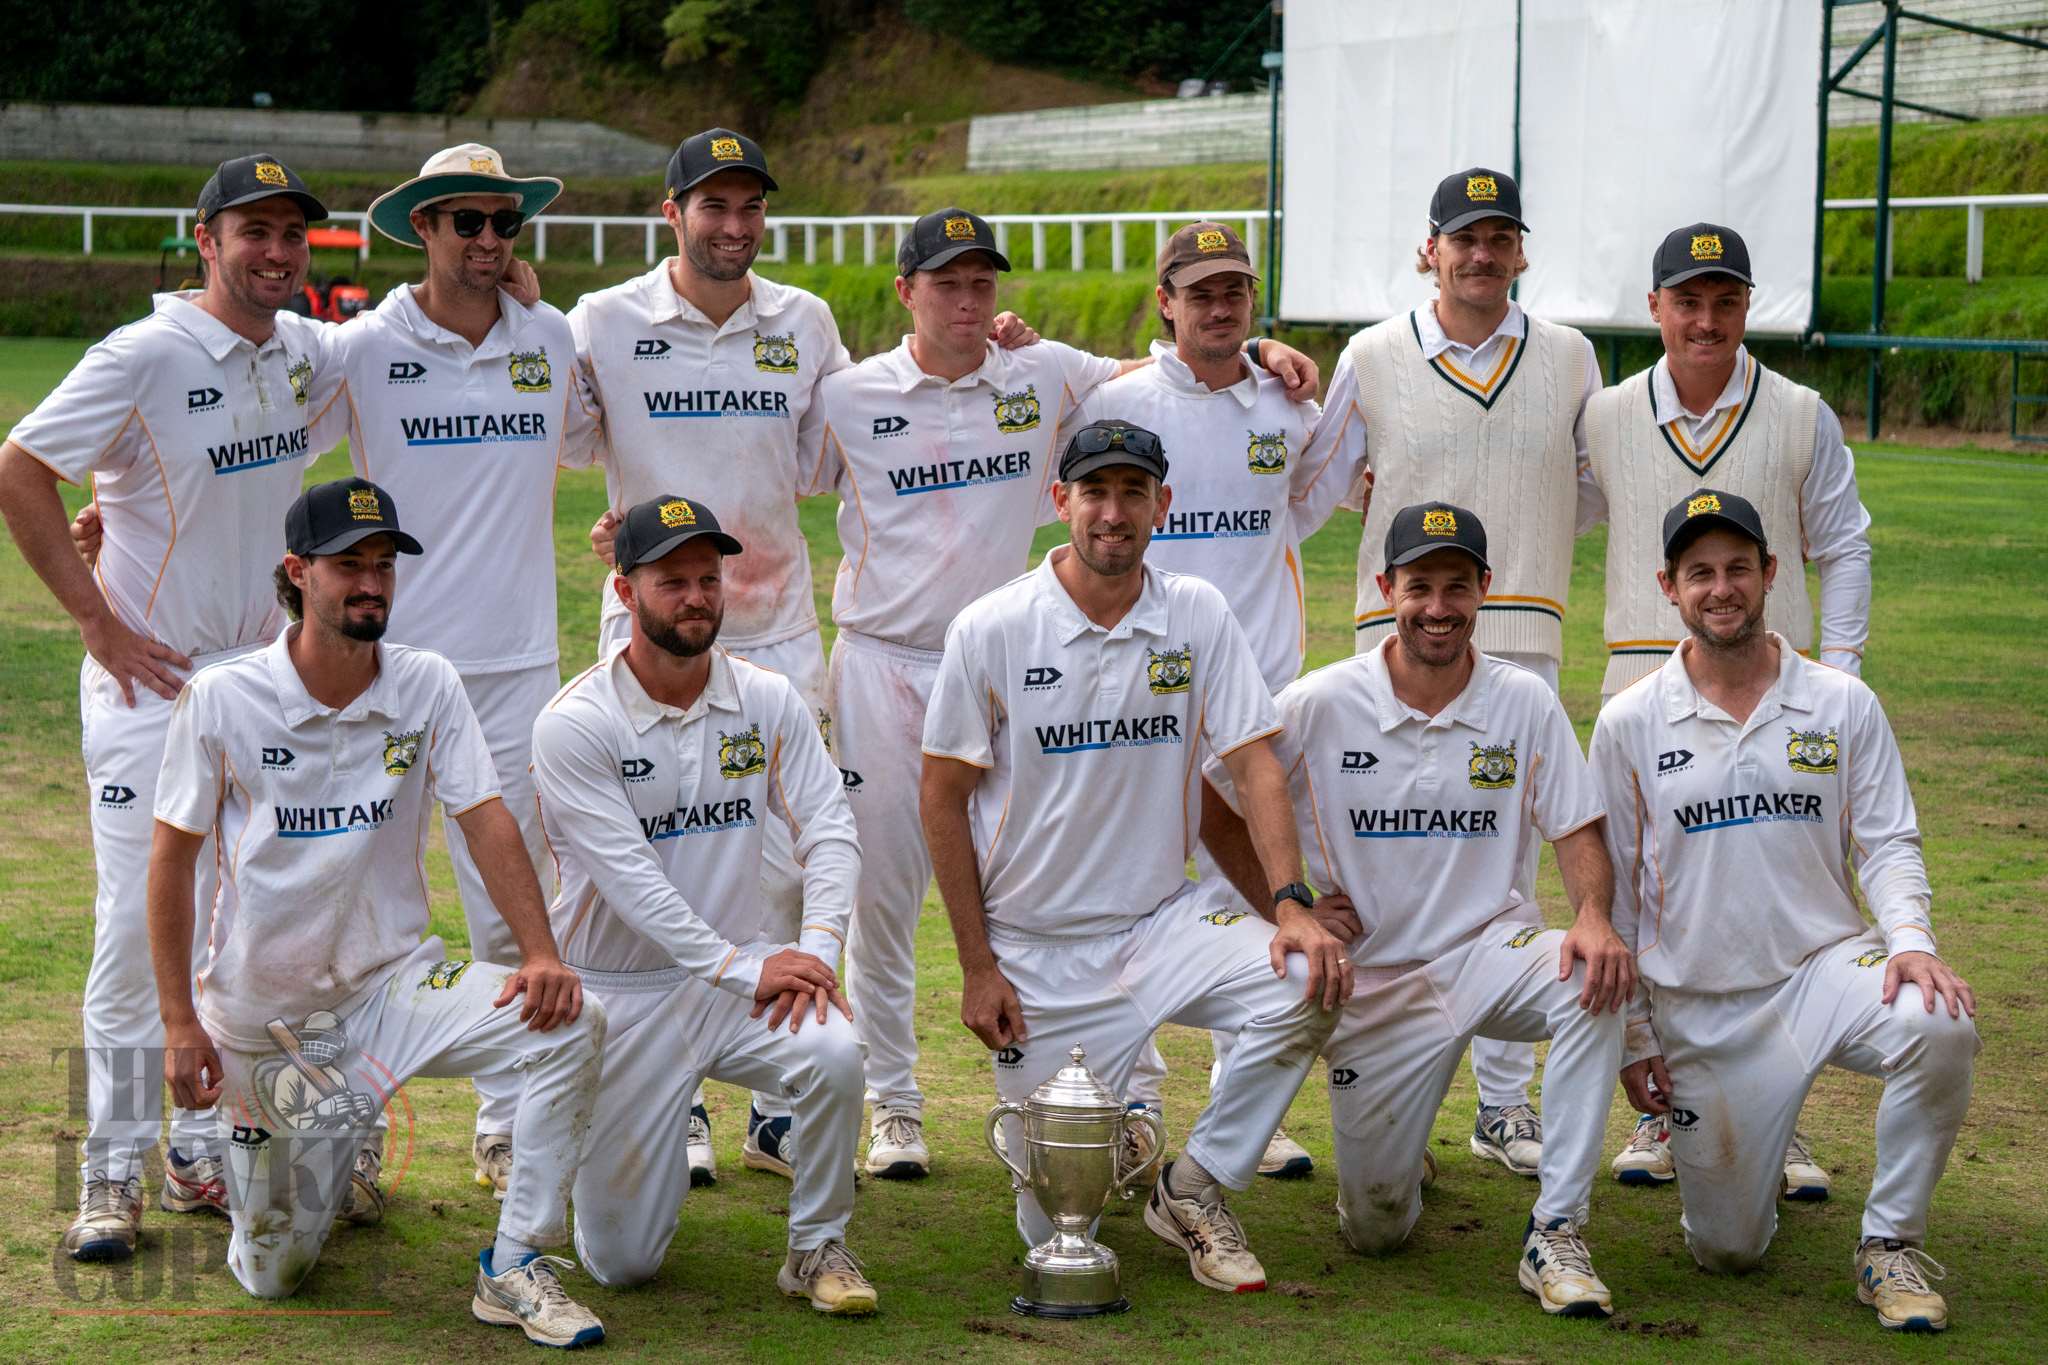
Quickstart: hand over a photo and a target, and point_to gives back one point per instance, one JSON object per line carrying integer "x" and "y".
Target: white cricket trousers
{"x": 1741, "y": 1065}
{"x": 506, "y": 705}
{"x": 879, "y": 692}
{"x": 1397, "y": 1046}
{"x": 289, "y": 1151}
{"x": 123, "y": 748}
{"x": 668, "y": 1031}
{"x": 1110, "y": 994}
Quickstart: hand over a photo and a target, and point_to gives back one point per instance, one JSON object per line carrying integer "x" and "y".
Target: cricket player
{"x": 660, "y": 768}
{"x": 1466, "y": 760}
{"x": 1470, "y": 400}
{"x": 314, "y": 765}
{"x": 1707, "y": 404}
{"x": 1071, "y": 709}
{"x": 193, "y": 426}
{"x": 1739, "y": 757}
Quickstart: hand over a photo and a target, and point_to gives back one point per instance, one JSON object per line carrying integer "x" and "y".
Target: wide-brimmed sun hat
{"x": 471, "y": 168}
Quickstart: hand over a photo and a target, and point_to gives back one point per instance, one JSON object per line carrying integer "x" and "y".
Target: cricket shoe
{"x": 109, "y": 1220}
{"x": 1558, "y": 1270}
{"x": 1646, "y": 1159}
{"x": 829, "y": 1276}
{"x": 1428, "y": 1168}
{"x": 1804, "y": 1178}
{"x": 1286, "y": 1159}
{"x": 1218, "y": 1255}
{"x": 492, "y": 1153}
{"x": 703, "y": 1161}
{"x": 770, "y": 1145}
{"x": 896, "y": 1149}
{"x": 196, "y": 1186}
{"x": 1891, "y": 1276}
{"x": 365, "y": 1200}
{"x": 530, "y": 1296}
{"x": 1511, "y": 1134}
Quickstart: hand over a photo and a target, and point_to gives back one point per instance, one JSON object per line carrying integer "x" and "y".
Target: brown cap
{"x": 1200, "y": 250}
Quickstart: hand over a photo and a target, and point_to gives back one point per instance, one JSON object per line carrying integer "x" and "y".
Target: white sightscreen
{"x": 1638, "y": 116}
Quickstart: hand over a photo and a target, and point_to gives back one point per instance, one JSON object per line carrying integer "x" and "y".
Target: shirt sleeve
{"x": 1884, "y": 831}
{"x": 1080, "y": 371}
{"x": 588, "y": 392}
{"x": 1237, "y": 706}
{"x": 459, "y": 766}
{"x": 1313, "y": 494}
{"x": 590, "y": 819}
{"x": 1614, "y": 774}
{"x": 836, "y": 356}
{"x": 820, "y": 459}
{"x": 329, "y": 406}
{"x": 1336, "y": 450}
{"x": 79, "y": 427}
{"x": 806, "y": 790}
{"x": 194, "y": 772}
{"x": 1564, "y": 797}
{"x": 965, "y": 711}
{"x": 1836, "y": 531}
{"x": 1592, "y": 500}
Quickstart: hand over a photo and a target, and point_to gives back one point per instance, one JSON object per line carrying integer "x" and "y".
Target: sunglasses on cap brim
{"x": 1095, "y": 440}
{"x": 470, "y": 222}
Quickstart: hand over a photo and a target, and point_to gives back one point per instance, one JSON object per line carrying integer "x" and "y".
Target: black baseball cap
{"x": 1100, "y": 445}
{"x": 655, "y": 527}
{"x": 711, "y": 151}
{"x": 329, "y": 517}
{"x": 1471, "y": 195}
{"x": 1428, "y": 527}
{"x": 938, "y": 237}
{"x": 245, "y": 179}
{"x": 1702, "y": 249}
{"x": 1701, "y": 511}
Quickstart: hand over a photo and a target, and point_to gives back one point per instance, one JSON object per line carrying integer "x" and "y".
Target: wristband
{"x": 1251, "y": 350}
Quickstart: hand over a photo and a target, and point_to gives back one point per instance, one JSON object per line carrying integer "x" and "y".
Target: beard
{"x": 369, "y": 629}
{"x": 1433, "y": 651}
{"x": 1752, "y": 622}
{"x": 1111, "y": 562}
{"x": 715, "y": 267}
{"x": 670, "y": 636}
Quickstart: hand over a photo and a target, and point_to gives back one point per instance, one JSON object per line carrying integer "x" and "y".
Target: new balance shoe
{"x": 195, "y": 1186}
{"x": 829, "y": 1276}
{"x": 1804, "y": 1178}
{"x": 1218, "y": 1255}
{"x": 1511, "y": 1134}
{"x": 1891, "y": 1276}
{"x": 703, "y": 1161}
{"x": 1646, "y": 1159}
{"x": 530, "y": 1296}
{"x": 770, "y": 1145}
{"x": 492, "y": 1153}
{"x": 365, "y": 1200}
{"x": 109, "y": 1220}
{"x": 896, "y": 1149}
{"x": 1286, "y": 1159}
{"x": 1558, "y": 1270}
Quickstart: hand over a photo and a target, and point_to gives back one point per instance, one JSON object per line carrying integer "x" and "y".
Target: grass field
{"x": 1961, "y": 561}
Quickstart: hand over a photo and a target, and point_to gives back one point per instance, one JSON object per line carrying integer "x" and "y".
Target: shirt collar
{"x": 216, "y": 336}
{"x": 1147, "y": 614}
{"x": 300, "y": 706}
{"x": 512, "y": 319}
{"x": 1175, "y": 374}
{"x": 1469, "y": 708}
{"x": 1664, "y": 404}
{"x": 908, "y": 374}
{"x": 643, "y": 712}
{"x": 765, "y": 299}
{"x": 1793, "y": 690}
{"x": 1435, "y": 343}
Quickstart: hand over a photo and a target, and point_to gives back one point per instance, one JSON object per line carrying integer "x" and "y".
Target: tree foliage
{"x": 1165, "y": 39}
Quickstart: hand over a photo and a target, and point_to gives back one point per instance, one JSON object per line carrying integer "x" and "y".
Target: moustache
{"x": 368, "y": 602}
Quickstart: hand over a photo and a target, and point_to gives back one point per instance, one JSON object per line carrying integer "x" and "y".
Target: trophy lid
{"x": 1075, "y": 1087}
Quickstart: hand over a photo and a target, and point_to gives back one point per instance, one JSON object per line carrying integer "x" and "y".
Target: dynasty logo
{"x": 1267, "y": 453}
{"x": 1493, "y": 767}
{"x": 530, "y": 372}
{"x": 1017, "y": 412}
{"x": 1171, "y": 670}
{"x": 775, "y": 354}
{"x": 1812, "y": 751}
{"x": 743, "y": 754}
{"x": 402, "y": 751}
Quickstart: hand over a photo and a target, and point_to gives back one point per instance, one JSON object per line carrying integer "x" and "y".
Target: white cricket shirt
{"x": 711, "y": 412}
{"x": 321, "y": 817}
{"x": 941, "y": 484}
{"x": 467, "y": 440}
{"x": 655, "y": 816}
{"x": 1243, "y": 498}
{"x": 1426, "y": 822}
{"x": 1093, "y": 740}
{"x": 196, "y": 440}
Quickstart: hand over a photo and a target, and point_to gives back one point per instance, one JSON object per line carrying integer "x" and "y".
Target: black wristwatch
{"x": 1295, "y": 891}
{"x": 1251, "y": 350}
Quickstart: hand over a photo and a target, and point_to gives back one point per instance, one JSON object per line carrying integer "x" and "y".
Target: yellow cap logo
{"x": 270, "y": 173}
{"x": 959, "y": 229}
{"x": 1211, "y": 240}
{"x": 1703, "y": 504}
{"x": 1706, "y": 246}
{"x": 1439, "y": 521}
{"x": 1481, "y": 189}
{"x": 484, "y": 165}
{"x": 363, "y": 506}
{"x": 677, "y": 513}
{"x": 726, "y": 149}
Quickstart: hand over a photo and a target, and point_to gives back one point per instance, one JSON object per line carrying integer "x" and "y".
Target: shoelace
{"x": 1518, "y": 1123}
{"x": 104, "y": 1195}
{"x": 546, "y": 1281}
{"x": 502, "y": 1148}
{"x": 900, "y": 1130}
{"x": 1797, "y": 1150}
{"x": 1909, "y": 1267}
{"x": 1566, "y": 1250}
{"x": 829, "y": 1256}
{"x": 700, "y": 1131}
{"x": 1221, "y": 1227}
{"x": 1648, "y": 1134}
{"x": 202, "y": 1170}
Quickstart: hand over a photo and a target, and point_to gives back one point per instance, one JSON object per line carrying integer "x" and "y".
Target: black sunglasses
{"x": 470, "y": 222}
{"x": 1093, "y": 440}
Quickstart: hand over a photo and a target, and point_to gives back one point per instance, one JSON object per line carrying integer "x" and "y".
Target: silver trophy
{"x": 1073, "y": 1130}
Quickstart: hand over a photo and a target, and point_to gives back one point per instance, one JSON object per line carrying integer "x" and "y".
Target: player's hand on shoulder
{"x": 1648, "y": 1085}
{"x": 1011, "y": 332}
{"x": 604, "y": 533}
{"x": 1610, "y": 966}
{"x": 191, "y": 1065}
{"x": 553, "y": 991}
{"x": 1935, "y": 978}
{"x": 1329, "y": 967}
{"x": 131, "y": 658}
{"x": 521, "y": 283}
{"x": 990, "y": 1008}
{"x": 1293, "y": 369}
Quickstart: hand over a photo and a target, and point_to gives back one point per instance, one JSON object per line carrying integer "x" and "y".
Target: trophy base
{"x": 1030, "y": 1308}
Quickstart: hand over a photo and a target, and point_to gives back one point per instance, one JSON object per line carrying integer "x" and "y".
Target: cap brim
{"x": 314, "y": 210}
{"x": 334, "y": 545}
{"x": 1415, "y": 552}
{"x": 724, "y": 544}
{"x": 1694, "y": 272}
{"x": 1692, "y": 528}
{"x": 1203, "y": 270}
{"x": 1106, "y": 459}
{"x": 954, "y": 252}
{"x": 1479, "y": 216}
{"x": 767, "y": 180}
{"x": 391, "y": 212}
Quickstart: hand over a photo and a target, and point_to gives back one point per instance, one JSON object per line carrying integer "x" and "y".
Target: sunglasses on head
{"x": 1095, "y": 440}
{"x": 470, "y": 222}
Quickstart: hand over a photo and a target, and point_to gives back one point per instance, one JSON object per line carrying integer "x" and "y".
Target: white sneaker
{"x": 1892, "y": 1276}
{"x": 1804, "y": 1178}
{"x": 1512, "y": 1135}
{"x": 365, "y": 1200}
{"x": 1286, "y": 1159}
{"x": 830, "y": 1277}
{"x": 703, "y": 1161}
{"x": 1646, "y": 1159}
{"x": 196, "y": 1186}
{"x": 1558, "y": 1270}
{"x": 770, "y": 1145}
{"x": 1428, "y": 1168}
{"x": 530, "y": 1297}
{"x": 896, "y": 1149}
{"x": 492, "y": 1153}
{"x": 1218, "y": 1255}
{"x": 109, "y": 1220}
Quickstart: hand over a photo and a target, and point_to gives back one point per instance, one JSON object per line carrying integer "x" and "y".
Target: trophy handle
{"x": 1136, "y": 1179}
{"x": 995, "y": 1116}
